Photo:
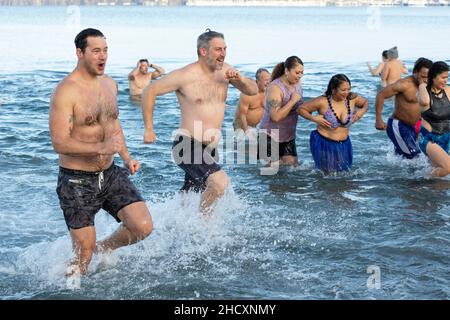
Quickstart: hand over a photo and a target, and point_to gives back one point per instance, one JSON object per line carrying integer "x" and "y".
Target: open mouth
{"x": 101, "y": 65}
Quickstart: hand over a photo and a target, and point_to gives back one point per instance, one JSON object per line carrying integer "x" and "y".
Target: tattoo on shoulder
{"x": 273, "y": 103}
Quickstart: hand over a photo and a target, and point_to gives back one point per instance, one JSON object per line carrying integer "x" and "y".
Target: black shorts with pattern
{"x": 82, "y": 194}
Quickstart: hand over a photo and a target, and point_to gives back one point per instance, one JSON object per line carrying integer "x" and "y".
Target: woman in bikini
{"x": 330, "y": 143}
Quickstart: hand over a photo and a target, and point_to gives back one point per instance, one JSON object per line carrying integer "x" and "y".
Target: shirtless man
{"x": 251, "y": 108}
{"x": 139, "y": 78}
{"x": 393, "y": 68}
{"x": 86, "y": 133}
{"x": 201, "y": 88}
{"x": 376, "y": 72}
{"x": 401, "y": 126}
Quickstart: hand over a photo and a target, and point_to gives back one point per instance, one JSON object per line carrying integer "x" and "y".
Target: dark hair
{"x": 335, "y": 82}
{"x": 259, "y": 71}
{"x": 422, "y": 63}
{"x": 289, "y": 64}
{"x": 204, "y": 39}
{"x": 143, "y": 60}
{"x": 436, "y": 69}
{"x": 384, "y": 54}
{"x": 81, "y": 38}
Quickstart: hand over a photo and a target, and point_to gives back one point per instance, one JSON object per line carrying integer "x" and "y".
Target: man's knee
{"x": 144, "y": 228}
{"x": 218, "y": 182}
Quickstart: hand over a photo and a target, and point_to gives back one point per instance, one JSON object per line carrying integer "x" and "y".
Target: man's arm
{"x": 385, "y": 93}
{"x": 171, "y": 82}
{"x": 132, "y": 164}
{"x": 61, "y": 125}
{"x": 133, "y": 73}
{"x": 375, "y": 72}
{"x": 158, "y": 71}
{"x": 243, "y": 84}
{"x": 423, "y": 97}
{"x": 243, "y": 106}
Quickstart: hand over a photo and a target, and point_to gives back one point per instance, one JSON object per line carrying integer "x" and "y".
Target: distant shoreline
{"x": 231, "y": 3}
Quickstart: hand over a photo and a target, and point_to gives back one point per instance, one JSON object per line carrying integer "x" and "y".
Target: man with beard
{"x": 201, "y": 89}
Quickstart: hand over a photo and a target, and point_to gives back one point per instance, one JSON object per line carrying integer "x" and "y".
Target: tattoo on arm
{"x": 273, "y": 103}
{"x": 71, "y": 123}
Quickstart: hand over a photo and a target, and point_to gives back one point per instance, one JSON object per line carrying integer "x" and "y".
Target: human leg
{"x": 216, "y": 184}
{"x": 136, "y": 225}
{"x": 83, "y": 245}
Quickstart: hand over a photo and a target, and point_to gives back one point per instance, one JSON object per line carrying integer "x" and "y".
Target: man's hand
{"x": 232, "y": 74}
{"x": 149, "y": 136}
{"x": 113, "y": 144}
{"x": 133, "y": 165}
{"x": 422, "y": 81}
{"x": 380, "y": 125}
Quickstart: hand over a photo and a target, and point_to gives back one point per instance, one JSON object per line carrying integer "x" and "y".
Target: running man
{"x": 401, "y": 126}
{"x": 201, "y": 88}
{"x": 86, "y": 133}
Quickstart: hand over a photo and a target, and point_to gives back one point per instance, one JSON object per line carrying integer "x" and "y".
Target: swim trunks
{"x": 82, "y": 194}
{"x": 197, "y": 160}
{"x": 403, "y": 137}
{"x": 287, "y": 148}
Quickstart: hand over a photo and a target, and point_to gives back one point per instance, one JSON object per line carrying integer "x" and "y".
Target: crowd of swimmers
{"x": 86, "y": 132}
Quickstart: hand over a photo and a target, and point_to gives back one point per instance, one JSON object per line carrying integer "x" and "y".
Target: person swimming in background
{"x": 251, "y": 108}
{"x": 330, "y": 143}
{"x": 434, "y": 135}
{"x": 140, "y": 77}
{"x": 376, "y": 72}
{"x": 279, "y": 122}
{"x": 393, "y": 68}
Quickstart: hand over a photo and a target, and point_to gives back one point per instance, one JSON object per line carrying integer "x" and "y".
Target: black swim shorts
{"x": 82, "y": 194}
{"x": 197, "y": 160}
{"x": 288, "y": 148}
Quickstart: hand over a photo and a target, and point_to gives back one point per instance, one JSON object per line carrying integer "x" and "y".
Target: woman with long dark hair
{"x": 279, "y": 123}
{"x": 434, "y": 134}
{"x": 330, "y": 143}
